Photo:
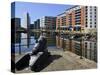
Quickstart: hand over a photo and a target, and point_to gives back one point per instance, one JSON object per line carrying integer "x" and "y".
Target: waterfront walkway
{"x": 63, "y": 60}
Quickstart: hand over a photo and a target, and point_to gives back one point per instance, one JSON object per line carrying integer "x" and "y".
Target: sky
{"x": 37, "y": 10}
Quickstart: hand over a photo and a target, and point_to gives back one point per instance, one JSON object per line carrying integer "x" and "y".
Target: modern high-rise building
{"x": 26, "y": 21}
{"x": 48, "y": 23}
{"x": 78, "y": 18}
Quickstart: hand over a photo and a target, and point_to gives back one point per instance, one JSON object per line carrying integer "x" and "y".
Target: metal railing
{"x": 20, "y": 44}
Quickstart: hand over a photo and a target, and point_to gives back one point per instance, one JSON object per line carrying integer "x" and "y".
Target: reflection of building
{"x": 90, "y": 50}
{"x": 78, "y": 18}
{"x": 37, "y": 24}
{"x": 48, "y": 23}
{"x": 86, "y": 48}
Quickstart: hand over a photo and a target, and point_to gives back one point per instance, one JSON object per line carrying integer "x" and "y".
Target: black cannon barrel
{"x": 40, "y": 46}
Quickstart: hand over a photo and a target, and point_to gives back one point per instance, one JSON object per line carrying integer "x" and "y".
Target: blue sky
{"x": 37, "y": 10}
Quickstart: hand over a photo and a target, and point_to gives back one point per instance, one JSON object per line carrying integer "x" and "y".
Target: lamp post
{"x": 81, "y": 47}
{"x": 71, "y": 29}
{"x": 63, "y": 39}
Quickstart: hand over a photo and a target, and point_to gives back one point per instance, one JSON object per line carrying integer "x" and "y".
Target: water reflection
{"x": 77, "y": 45}
{"x": 26, "y": 42}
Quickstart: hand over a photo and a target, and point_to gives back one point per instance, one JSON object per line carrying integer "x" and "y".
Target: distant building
{"x": 37, "y": 24}
{"x": 48, "y": 23}
{"x": 32, "y": 26}
{"x": 15, "y": 23}
{"x": 26, "y": 21}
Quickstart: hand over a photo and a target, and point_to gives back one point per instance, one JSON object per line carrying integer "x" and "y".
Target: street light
{"x": 81, "y": 47}
{"x": 71, "y": 29}
{"x": 63, "y": 39}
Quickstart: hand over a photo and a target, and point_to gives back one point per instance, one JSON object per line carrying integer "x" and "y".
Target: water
{"x": 25, "y": 42}
{"x": 83, "y": 48}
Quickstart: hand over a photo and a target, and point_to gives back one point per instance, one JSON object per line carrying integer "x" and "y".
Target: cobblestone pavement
{"x": 63, "y": 60}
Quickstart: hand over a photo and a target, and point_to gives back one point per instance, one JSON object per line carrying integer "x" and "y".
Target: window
{"x": 86, "y": 7}
{"x": 90, "y": 45}
{"x": 90, "y": 19}
{"x": 95, "y": 16}
{"x": 95, "y": 26}
{"x": 86, "y": 22}
{"x": 85, "y": 44}
{"x": 86, "y": 25}
{"x": 90, "y": 26}
{"x": 90, "y": 16}
{"x": 90, "y": 22}
{"x": 90, "y": 12}
{"x": 94, "y": 9}
{"x": 95, "y": 12}
{"x": 90, "y": 9}
{"x": 86, "y": 12}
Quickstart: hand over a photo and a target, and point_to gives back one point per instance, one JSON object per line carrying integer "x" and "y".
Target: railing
{"x": 19, "y": 44}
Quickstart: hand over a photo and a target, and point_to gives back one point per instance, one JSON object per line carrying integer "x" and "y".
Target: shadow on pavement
{"x": 40, "y": 64}
{"x": 23, "y": 62}
{"x": 45, "y": 63}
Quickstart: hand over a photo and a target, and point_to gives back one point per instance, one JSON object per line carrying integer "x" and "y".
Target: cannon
{"x": 36, "y": 58}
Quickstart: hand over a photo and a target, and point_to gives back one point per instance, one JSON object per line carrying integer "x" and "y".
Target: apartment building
{"x": 78, "y": 18}
{"x": 48, "y": 23}
{"x": 61, "y": 22}
{"x": 90, "y": 19}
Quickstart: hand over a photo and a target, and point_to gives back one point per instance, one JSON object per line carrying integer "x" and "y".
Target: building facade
{"x": 78, "y": 18}
{"x": 32, "y": 26}
{"x": 26, "y": 21}
{"x": 37, "y": 24}
{"x": 48, "y": 23}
